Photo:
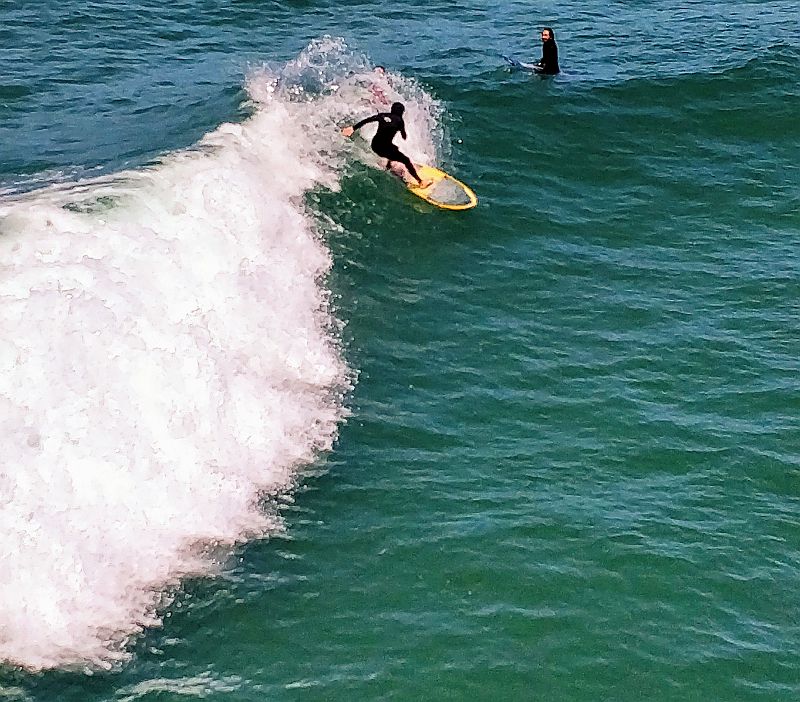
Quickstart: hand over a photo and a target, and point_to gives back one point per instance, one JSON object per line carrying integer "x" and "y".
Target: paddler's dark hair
{"x": 397, "y": 108}
{"x": 552, "y": 33}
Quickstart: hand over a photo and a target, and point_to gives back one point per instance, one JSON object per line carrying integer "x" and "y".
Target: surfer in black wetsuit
{"x": 548, "y": 64}
{"x": 389, "y": 123}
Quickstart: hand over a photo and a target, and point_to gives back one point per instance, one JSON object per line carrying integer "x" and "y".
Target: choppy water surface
{"x": 275, "y": 429}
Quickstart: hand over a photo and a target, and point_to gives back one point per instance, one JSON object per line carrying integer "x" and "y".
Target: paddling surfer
{"x": 389, "y": 124}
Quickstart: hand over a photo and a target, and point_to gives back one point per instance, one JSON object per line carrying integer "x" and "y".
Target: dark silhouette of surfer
{"x": 389, "y": 124}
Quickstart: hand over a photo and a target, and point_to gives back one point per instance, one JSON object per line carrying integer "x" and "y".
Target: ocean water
{"x": 275, "y": 429}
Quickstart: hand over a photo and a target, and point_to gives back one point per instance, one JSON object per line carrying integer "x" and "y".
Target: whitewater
{"x": 169, "y": 356}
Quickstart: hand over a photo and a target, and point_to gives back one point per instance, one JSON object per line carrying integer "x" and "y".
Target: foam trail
{"x": 167, "y": 355}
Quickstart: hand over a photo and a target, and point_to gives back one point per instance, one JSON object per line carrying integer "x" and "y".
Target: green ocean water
{"x": 570, "y": 467}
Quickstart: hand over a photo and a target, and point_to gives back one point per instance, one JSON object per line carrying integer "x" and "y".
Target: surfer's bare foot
{"x": 425, "y": 183}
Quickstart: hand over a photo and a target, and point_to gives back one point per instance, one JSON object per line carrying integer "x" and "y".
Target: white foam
{"x": 167, "y": 355}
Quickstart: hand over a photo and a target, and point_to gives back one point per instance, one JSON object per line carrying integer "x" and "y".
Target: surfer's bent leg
{"x": 392, "y": 153}
{"x": 406, "y": 161}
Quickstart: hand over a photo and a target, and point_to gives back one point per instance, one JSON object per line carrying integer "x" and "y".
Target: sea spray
{"x": 168, "y": 355}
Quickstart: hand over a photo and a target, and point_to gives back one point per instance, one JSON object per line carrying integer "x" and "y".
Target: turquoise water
{"x": 276, "y": 430}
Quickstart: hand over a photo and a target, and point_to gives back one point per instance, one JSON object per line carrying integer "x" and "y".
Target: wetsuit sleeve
{"x": 360, "y": 124}
{"x": 403, "y": 129}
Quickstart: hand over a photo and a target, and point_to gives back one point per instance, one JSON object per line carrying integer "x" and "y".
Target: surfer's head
{"x": 398, "y": 109}
{"x": 548, "y": 34}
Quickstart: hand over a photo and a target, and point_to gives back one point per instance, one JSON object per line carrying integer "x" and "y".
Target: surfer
{"x": 548, "y": 64}
{"x": 389, "y": 123}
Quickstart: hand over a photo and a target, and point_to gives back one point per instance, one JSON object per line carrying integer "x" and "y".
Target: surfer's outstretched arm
{"x": 374, "y": 118}
{"x": 348, "y": 131}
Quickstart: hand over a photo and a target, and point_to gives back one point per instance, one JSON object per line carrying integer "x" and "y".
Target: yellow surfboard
{"x": 445, "y": 191}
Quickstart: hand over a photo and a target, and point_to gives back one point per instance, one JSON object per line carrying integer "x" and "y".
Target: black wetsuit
{"x": 548, "y": 65}
{"x": 388, "y": 126}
